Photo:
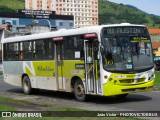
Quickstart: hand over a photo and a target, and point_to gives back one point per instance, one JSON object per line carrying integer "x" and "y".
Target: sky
{"x": 149, "y": 6}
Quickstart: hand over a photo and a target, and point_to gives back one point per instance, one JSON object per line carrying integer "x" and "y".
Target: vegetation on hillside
{"x": 110, "y": 12}
{"x": 11, "y": 6}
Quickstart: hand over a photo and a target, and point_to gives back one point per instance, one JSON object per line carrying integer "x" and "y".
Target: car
{"x": 157, "y": 62}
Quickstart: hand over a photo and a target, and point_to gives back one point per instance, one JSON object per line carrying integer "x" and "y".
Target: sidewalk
{"x": 21, "y": 103}
{"x": 54, "y": 104}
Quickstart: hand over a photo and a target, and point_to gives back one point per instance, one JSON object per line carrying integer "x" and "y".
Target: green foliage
{"x": 11, "y": 6}
{"x": 6, "y": 9}
{"x": 111, "y": 13}
{"x": 157, "y": 79}
{"x": 7, "y": 108}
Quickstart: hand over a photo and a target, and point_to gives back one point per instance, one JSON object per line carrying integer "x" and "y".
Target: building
{"x": 19, "y": 20}
{"x": 17, "y": 23}
{"x": 40, "y": 4}
{"x": 156, "y": 48}
{"x": 155, "y": 34}
{"x": 155, "y": 38}
{"x": 85, "y": 11}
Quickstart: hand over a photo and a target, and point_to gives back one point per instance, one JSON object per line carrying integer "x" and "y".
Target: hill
{"x": 110, "y": 12}
{"x": 11, "y": 6}
{"x": 133, "y": 7}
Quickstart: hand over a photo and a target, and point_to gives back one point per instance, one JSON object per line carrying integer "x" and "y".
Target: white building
{"x": 85, "y": 11}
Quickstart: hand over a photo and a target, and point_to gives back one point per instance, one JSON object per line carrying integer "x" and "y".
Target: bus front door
{"x": 90, "y": 66}
{"x": 59, "y": 65}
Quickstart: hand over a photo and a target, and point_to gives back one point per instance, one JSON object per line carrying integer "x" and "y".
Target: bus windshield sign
{"x": 124, "y": 30}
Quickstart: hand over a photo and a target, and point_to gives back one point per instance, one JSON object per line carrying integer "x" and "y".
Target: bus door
{"x": 90, "y": 67}
{"x": 59, "y": 64}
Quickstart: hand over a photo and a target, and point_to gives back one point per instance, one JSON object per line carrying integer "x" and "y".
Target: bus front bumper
{"x": 111, "y": 89}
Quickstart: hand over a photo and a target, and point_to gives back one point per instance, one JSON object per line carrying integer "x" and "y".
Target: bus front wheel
{"x": 79, "y": 91}
{"x": 26, "y": 84}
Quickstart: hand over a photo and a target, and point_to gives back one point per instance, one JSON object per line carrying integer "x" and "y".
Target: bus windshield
{"x": 127, "y": 53}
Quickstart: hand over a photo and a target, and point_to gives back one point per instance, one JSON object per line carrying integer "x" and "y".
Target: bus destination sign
{"x": 124, "y": 30}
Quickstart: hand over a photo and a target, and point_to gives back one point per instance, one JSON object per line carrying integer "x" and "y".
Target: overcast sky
{"x": 149, "y": 6}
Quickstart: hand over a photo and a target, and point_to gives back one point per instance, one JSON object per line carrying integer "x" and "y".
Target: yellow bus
{"x": 106, "y": 60}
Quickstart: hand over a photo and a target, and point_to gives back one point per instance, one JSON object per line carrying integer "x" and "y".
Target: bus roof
{"x": 64, "y": 32}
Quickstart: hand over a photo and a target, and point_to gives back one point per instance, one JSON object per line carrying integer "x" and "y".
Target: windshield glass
{"x": 126, "y": 53}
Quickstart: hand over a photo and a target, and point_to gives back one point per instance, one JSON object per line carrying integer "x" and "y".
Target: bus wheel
{"x": 121, "y": 96}
{"x": 26, "y": 85}
{"x": 79, "y": 91}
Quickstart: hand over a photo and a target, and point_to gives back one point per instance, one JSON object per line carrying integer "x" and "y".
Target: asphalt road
{"x": 149, "y": 101}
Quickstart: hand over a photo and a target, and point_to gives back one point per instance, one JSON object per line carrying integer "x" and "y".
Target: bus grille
{"x": 131, "y": 81}
{"x": 133, "y": 89}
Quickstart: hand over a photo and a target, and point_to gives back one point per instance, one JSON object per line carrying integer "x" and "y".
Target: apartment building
{"x": 40, "y": 4}
{"x": 85, "y": 12}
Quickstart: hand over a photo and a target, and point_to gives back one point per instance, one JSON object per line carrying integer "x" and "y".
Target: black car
{"x": 157, "y": 62}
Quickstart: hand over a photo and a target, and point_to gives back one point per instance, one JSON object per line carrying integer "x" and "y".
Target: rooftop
{"x": 155, "y": 45}
{"x": 154, "y": 31}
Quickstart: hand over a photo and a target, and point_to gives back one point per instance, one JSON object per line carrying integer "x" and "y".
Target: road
{"x": 133, "y": 102}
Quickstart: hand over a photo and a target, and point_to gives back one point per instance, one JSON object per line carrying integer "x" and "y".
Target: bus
{"x": 104, "y": 60}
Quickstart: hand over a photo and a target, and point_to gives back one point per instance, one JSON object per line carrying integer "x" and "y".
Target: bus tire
{"x": 79, "y": 91}
{"x": 26, "y": 84}
{"x": 122, "y": 96}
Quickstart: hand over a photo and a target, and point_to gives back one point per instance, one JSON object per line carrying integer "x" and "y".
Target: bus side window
{"x": 50, "y": 49}
{"x": 82, "y": 53}
{"x": 74, "y": 48}
{"x": 10, "y": 51}
{"x": 6, "y": 52}
{"x": 9, "y": 57}
{"x": 34, "y": 55}
{"x": 34, "y": 50}
{"x": 39, "y": 49}
{"x": 21, "y": 56}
